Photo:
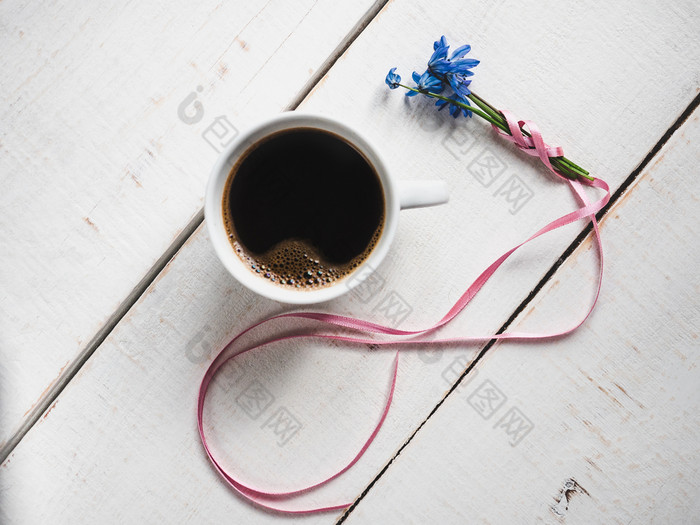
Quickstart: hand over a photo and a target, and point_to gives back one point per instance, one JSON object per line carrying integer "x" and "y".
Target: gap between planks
{"x": 684, "y": 116}
{"x": 74, "y": 367}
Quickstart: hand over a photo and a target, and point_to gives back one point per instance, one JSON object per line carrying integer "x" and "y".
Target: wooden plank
{"x": 133, "y": 404}
{"x": 612, "y": 432}
{"x": 104, "y": 155}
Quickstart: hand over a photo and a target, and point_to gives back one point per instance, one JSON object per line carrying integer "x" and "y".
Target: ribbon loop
{"x": 533, "y": 145}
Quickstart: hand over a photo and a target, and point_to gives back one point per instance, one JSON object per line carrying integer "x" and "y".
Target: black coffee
{"x": 303, "y": 208}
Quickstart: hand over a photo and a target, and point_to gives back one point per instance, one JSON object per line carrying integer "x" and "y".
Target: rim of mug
{"x": 213, "y": 208}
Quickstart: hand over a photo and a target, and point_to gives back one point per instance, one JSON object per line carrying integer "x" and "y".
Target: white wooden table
{"x": 113, "y": 303}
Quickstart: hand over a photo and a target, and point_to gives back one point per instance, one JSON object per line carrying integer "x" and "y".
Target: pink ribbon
{"x": 533, "y": 145}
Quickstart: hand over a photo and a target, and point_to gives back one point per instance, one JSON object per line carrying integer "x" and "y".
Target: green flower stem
{"x": 488, "y": 108}
{"x": 562, "y": 164}
{"x": 491, "y": 115}
{"x": 470, "y": 108}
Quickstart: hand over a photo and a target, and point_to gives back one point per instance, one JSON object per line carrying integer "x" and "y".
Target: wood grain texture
{"x": 132, "y": 406}
{"x": 614, "y": 408}
{"x": 104, "y": 155}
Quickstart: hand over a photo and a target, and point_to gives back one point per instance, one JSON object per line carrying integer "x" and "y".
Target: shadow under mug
{"x": 398, "y": 195}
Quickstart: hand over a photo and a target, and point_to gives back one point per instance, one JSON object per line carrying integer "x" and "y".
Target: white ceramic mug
{"x": 398, "y": 195}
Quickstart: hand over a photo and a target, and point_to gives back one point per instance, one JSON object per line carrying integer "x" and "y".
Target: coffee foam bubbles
{"x": 295, "y": 263}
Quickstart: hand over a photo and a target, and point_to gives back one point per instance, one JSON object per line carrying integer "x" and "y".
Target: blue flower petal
{"x": 440, "y": 43}
{"x": 461, "y": 51}
{"x": 465, "y": 63}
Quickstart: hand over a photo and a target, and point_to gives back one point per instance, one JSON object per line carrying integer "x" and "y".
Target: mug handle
{"x": 421, "y": 193}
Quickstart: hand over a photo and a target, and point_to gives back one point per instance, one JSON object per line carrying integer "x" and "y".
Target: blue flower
{"x": 426, "y": 82}
{"x": 453, "y": 71}
{"x": 455, "y": 110}
{"x": 392, "y": 79}
{"x": 439, "y": 64}
{"x": 445, "y": 71}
